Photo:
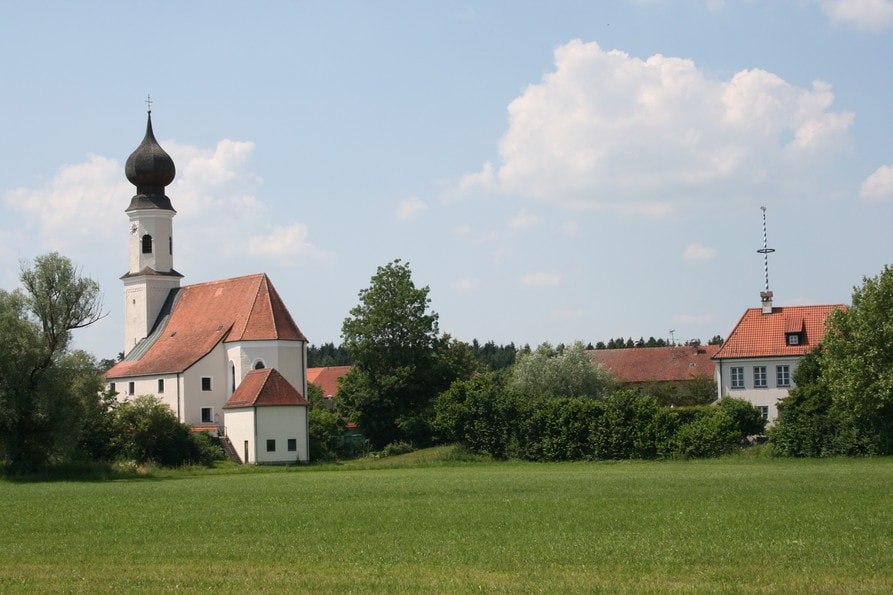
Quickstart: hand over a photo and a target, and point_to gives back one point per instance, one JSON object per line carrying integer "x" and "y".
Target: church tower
{"x": 151, "y": 276}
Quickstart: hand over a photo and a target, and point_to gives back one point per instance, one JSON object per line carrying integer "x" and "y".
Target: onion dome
{"x": 150, "y": 169}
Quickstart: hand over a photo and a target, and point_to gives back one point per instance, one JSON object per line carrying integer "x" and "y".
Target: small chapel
{"x": 226, "y": 356}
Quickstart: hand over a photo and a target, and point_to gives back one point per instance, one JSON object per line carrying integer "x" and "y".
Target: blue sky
{"x": 553, "y": 171}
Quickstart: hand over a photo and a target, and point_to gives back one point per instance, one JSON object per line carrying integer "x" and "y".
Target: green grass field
{"x": 401, "y": 524}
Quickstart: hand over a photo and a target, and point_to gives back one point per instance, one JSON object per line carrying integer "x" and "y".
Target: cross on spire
{"x": 148, "y": 103}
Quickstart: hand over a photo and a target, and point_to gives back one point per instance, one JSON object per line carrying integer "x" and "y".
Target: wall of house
{"x": 280, "y": 423}
{"x": 288, "y": 357}
{"x": 239, "y": 428}
{"x": 759, "y": 397}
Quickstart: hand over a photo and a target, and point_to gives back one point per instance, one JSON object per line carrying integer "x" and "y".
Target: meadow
{"x": 416, "y": 524}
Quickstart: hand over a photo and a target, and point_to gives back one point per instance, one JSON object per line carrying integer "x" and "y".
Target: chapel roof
{"x": 197, "y": 317}
{"x": 328, "y": 379}
{"x": 766, "y": 335}
{"x": 657, "y": 364}
{"x": 265, "y": 388}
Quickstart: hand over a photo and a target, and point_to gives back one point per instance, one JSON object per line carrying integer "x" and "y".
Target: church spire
{"x": 150, "y": 169}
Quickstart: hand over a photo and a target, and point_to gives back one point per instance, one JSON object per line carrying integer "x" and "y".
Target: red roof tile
{"x": 657, "y": 364}
{"x": 202, "y": 315}
{"x": 765, "y": 335}
{"x": 328, "y": 379}
{"x": 264, "y": 387}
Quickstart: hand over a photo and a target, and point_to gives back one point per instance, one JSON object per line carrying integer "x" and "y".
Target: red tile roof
{"x": 328, "y": 379}
{"x": 657, "y": 364}
{"x": 200, "y": 316}
{"x": 265, "y": 387}
{"x": 765, "y": 335}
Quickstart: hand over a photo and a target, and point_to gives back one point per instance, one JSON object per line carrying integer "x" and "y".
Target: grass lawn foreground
{"x": 734, "y": 524}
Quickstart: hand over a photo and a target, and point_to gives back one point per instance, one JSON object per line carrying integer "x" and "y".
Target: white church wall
{"x": 287, "y": 357}
{"x": 282, "y": 423}
{"x": 148, "y": 385}
{"x": 239, "y": 428}
{"x": 196, "y": 397}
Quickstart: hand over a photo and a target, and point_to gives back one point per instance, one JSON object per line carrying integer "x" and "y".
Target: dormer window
{"x": 793, "y": 338}
{"x": 147, "y": 244}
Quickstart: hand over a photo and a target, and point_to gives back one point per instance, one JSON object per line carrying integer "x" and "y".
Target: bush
{"x": 148, "y": 431}
{"x": 707, "y": 436}
{"x": 326, "y": 434}
{"x": 396, "y": 448}
{"x": 747, "y": 419}
{"x": 560, "y": 430}
{"x": 632, "y": 427}
{"x": 478, "y": 413}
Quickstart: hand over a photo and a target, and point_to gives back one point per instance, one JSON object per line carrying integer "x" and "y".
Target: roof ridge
{"x": 227, "y": 280}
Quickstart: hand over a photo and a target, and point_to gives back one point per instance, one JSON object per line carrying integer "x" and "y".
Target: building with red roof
{"x": 328, "y": 379}
{"x": 195, "y": 347}
{"x": 758, "y": 360}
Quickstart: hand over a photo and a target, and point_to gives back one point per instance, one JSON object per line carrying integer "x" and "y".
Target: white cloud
{"x": 285, "y": 243}
{"x": 466, "y": 285}
{"x": 541, "y": 279}
{"x": 523, "y": 222}
{"x": 869, "y": 15}
{"x": 410, "y": 207}
{"x": 570, "y": 228}
{"x": 879, "y": 185}
{"x": 82, "y": 201}
{"x": 696, "y": 252}
{"x": 608, "y": 129}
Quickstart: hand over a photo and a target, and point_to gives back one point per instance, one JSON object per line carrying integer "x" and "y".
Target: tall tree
{"x": 547, "y": 373}
{"x": 400, "y": 360}
{"x": 36, "y": 397}
{"x": 857, "y": 362}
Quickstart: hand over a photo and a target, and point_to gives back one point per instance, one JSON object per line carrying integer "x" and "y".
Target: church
{"x": 226, "y": 356}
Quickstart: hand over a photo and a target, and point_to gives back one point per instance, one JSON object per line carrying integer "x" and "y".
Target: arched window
{"x": 232, "y": 378}
{"x": 170, "y": 245}
{"x": 259, "y": 365}
{"x": 147, "y": 244}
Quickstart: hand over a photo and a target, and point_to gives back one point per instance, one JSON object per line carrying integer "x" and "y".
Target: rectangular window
{"x": 737, "y": 375}
{"x": 206, "y": 383}
{"x": 271, "y": 445}
{"x": 783, "y": 375}
{"x": 793, "y": 339}
{"x": 292, "y": 444}
{"x": 112, "y": 387}
{"x": 161, "y": 385}
{"x": 207, "y": 415}
{"x": 131, "y": 388}
{"x": 764, "y": 411}
{"x": 759, "y": 376}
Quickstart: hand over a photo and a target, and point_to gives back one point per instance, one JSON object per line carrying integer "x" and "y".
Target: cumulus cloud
{"x": 410, "y": 207}
{"x": 466, "y": 285}
{"x": 81, "y": 201}
{"x": 604, "y": 128}
{"x": 541, "y": 279}
{"x": 696, "y": 252}
{"x": 868, "y": 15}
{"x": 879, "y": 185}
{"x": 285, "y": 242}
{"x": 523, "y": 222}
{"x": 214, "y": 194}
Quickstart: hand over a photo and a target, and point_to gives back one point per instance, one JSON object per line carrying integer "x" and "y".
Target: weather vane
{"x": 149, "y": 103}
{"x": 765, "y": 250}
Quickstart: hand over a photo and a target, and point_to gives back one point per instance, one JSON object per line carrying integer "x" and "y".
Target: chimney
{"x": 766, "y": 299}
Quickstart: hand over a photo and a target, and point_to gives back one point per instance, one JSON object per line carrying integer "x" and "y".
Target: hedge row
{"x": 487, "y": 418}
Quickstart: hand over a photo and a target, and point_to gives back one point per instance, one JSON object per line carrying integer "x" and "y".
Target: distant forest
{"x": 490, "y": 355}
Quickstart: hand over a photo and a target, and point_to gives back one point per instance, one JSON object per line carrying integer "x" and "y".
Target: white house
{"x": 757, "y": 361}
{"x": 193, "y": 346}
